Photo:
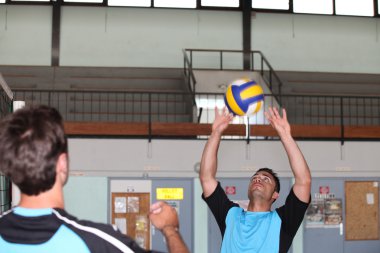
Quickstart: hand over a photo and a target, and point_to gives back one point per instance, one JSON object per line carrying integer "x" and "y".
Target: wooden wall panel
{"x": 193, "y": 130}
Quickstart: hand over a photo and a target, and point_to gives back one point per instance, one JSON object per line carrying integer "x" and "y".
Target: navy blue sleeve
{"x": 219, "y": 205}
{"x": 99, "y": 237}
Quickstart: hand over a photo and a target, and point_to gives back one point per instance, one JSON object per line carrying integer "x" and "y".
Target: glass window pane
{"x": 220, "y": 3}
{"x": 313, "y": 6}
{"x": 133, "y": 3}
{"x": 29, "y": 1}
{"x": 83, "y": 1}
{"x": 175, "y": 4}
{"x": 271, "y": 4}
{"x": 2, "y": 1}
{"x": 354, "y": 7}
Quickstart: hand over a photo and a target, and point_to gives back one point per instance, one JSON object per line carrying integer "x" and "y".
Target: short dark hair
{"x": 31, "y": 140}
{"x": 276, "y": 179}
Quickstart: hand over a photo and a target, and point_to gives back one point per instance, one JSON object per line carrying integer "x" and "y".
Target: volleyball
{"x": 244, "y": 97}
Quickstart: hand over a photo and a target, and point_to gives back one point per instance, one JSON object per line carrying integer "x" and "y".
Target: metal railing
{"x": 230, "y": 60}
{"x": 114, "y": 106}
{"x": 5, "y": 183}
{"x": 309, "y": 110}
{"x": 123, "y": 106}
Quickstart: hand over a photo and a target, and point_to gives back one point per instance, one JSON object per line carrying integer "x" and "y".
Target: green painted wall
{"x": 86, "y": 198}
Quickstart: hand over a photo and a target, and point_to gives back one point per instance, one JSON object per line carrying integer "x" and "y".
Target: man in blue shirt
{"x": 34, "y": 154}
{"x": 257, "y": 230}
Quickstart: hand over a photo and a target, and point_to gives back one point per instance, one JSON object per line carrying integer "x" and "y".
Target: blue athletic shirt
{"x": 256, "y": 232}
{"x": 50, "y": 230}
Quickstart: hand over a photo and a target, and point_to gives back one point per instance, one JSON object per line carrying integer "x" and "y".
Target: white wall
{"x": 25, "y": 35}
{"x": 318, "y": 43}
{"x": 138, "y": 37}
{"x": 86, "y": 197}
{"x": 96, "y": 159}
{"x": 177, "y": 158}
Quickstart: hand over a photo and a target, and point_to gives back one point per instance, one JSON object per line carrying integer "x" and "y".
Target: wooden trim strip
{"x": 192, "y": 130}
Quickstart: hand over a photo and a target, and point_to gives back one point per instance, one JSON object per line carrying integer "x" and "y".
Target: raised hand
{"x": 280, "y": 124}
{"x": 221, "y": 120}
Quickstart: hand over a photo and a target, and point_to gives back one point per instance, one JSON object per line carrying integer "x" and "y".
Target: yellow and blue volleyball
{"x": 244, "y": 97}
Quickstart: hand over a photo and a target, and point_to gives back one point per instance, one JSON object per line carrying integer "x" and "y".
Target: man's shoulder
{"x": 99, "y": 237}
{"x": 81, "y": 224}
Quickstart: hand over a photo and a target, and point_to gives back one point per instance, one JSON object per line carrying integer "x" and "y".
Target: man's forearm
{"x": 299, "y": 167}
{"x": 209, "y": 164}
{"x": 296, "y": 159}
{"x": 174, "y": 240}
{"x": 209, "y": 157}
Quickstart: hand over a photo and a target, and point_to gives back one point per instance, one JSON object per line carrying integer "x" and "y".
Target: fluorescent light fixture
{"x": 83, "y": 1}
{"x": 175, "y": 4}
{"x": 220, "y": 3}
{"x": 313, "y": 6}
{"x": 354, "y": 7}
{"x": 271, "y": 4}
{"x": 130, "y": 3}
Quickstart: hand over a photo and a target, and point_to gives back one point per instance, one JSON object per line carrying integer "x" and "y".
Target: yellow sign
{"x": 169, "y": 193}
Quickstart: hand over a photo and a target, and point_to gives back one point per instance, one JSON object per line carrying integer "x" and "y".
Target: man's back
{"x": 53, "y": 230}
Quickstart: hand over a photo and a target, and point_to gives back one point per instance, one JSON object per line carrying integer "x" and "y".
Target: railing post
{"x": 221, "y": 60}
{"x": 270, "y": 79}
{"x": 150, "y": 118}
{"x": 341, "y": 122}
{"x": 191, "y": 58}
{"x": 184, "y": 62}
{"x": 248, "y": 131}
{"x": 252, "y": 61}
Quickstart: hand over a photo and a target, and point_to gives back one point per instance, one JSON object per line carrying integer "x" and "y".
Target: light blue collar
{"x": 29, "y": 212}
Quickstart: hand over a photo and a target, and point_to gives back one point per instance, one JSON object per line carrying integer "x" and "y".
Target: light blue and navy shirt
{"x": 256, "y": 232}
{"x": 54, "y": 230}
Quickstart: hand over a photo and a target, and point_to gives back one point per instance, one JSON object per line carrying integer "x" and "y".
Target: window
{"x": 354, "y": 7}
{"x": 131, "y": 3}
{"x": 175, "y": 4}
{"x": 271, "y": 4}
{"x": 27, "y": 1}
{"x": 313, "y": 6}
{"x": 220, "y": 3}
{"x": 83, "y": 1}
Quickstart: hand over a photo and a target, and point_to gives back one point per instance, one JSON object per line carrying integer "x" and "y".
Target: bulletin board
{"x": 130, "y": 212}
{"x": 362, "y": 210}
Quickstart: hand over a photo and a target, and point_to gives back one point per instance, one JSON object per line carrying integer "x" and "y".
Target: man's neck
{"x": 52, "y": 198}
{"x": 259, "y": 206}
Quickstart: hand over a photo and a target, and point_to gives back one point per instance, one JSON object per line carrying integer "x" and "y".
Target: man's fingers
{"x": 156, "y": 207}
{"x": 276, "y": 114}
{"x": 284, "y": 114}
{"x": 216, "y": 111}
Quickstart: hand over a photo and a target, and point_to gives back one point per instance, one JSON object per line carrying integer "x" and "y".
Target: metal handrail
{"x": 188, "y": 71}
{"x": 124, "y": 106}
{"x": 6, "y": 107}
{"x": 273, "y": 81}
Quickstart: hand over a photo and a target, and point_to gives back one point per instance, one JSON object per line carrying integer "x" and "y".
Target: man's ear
{"x": 275, "y": 195}
{"x": 62, "y": 168}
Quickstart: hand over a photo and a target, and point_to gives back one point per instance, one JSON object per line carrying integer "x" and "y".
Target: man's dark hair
{"x": 276, "y": 179}
{"x": 31, "y": 140}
